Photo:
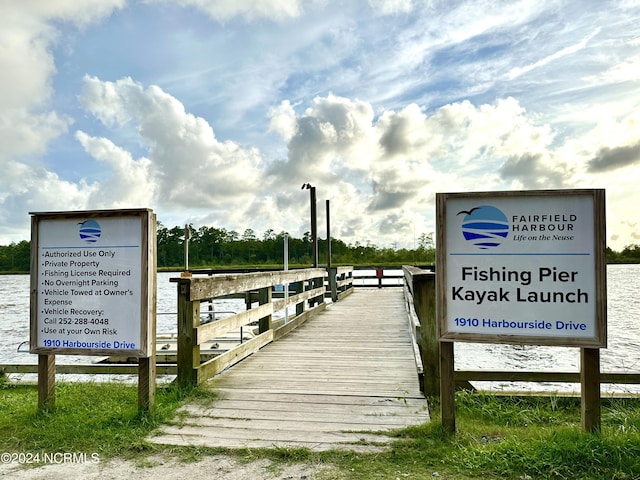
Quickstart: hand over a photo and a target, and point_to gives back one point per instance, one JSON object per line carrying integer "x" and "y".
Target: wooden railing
{"x": 381, "y": 277}
{"x": 420, "y": 297}
{"x": 305, "y": 290}
{"x": 340, "y": 282}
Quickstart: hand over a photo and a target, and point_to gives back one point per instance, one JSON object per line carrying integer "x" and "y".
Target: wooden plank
{"x": 249, "y": 394}
{"x": 235, "y": 407}
{"x": 234, "y": 438}
{"x": 230, "y": 357}
{"x": 203, "y": 288}
{"x": 350, "y": 368}
{"x": 89, "y": 369}
{"x": 299, "y": 423}
{"x": 208, "y": 331}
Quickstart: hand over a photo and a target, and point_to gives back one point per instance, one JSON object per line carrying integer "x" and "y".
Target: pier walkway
{"x": 336, "y": 382}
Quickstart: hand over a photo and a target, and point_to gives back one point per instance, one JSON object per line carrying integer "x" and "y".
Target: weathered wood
{"x": 296, "y": 298}
{"x": 350, "y": 369}
{"x": 208, "y": 331}
{"x": 192, "y": 291}
{"x": 188, "y": 350}
{"x": 621, "y": 378}
{"x": 422, "y": 285}
{"x": 46, "y": 380}
{"x": 447, "y": 388}
{"x": 202, "y": 288}
{"x": 147, "y": 382}
{"x": 297, "y": 321}
{"x": 590, "y": 389}
{"x": 88, "y": 369}
{"x": 264, "y": 298}
{"x": 218, "y": 364}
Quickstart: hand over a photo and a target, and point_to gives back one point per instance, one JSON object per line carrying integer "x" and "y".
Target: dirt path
{"x": 219, "y": 467}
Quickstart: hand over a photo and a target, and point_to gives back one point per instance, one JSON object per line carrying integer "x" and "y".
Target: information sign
{"x": 93, "y": 282}
{"x": 522, "y": 267}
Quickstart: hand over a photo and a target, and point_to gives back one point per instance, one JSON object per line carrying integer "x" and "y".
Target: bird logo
{"x": 484, "y": 226}
{"x": 90, "y": 231}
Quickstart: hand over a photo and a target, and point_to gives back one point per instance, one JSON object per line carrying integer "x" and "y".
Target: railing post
{"x": 333, "y": 282}
{"x": 298, "y": 287}
{"x": 424, "y": 301}
{"x": 188, "y": 352}
{"x": 318, "y": 282}
{"x": 265, "y": 296}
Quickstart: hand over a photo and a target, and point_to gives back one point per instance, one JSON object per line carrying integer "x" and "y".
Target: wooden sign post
{"x": 523, "y": 268}
{"x": 93, "y": 291}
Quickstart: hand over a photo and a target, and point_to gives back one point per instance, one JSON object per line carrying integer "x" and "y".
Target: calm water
{"x": 622, "y": 354}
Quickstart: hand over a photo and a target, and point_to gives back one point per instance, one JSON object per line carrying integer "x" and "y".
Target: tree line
{"x": 211, "y": 247}
{"x": 217, "y": 247}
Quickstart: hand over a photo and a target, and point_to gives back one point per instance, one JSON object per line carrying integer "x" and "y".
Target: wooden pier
{"x": 336, "y": 382}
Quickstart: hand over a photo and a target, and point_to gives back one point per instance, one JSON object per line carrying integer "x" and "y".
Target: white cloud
{"x": 130, "y": 184}
{"x": 250, "y": 9}
{"x": 427, "y": 96}
{"x": 187, "y": 165}
{"x": 566, "y": 51}
{"x": 28, "y": 125}
{"x": 409, "y": 155}
{"x": 387, "y": 7}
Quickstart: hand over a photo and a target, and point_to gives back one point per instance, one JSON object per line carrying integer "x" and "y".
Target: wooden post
{"x": 147, "y": 382}
{"x": 590, "y": 389}
{"x": 46, "y": 381}
{"x": 424, "y": 301}
{"x": 298, "y": 287}
{"x": 188, "y": 351}
{"x": 447, "y": 388}
{"x": 333, "y": 283}
{"x": 187, "y": 236}
{"x": 318, "y": 282}
{"x": 265, "y": 296}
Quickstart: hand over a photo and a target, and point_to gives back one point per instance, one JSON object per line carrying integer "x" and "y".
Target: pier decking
{"x": 330, "y": 384}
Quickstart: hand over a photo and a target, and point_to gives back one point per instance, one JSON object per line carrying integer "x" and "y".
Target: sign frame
{"x": 596, "y": 277}
{"x": 145, "y": 241}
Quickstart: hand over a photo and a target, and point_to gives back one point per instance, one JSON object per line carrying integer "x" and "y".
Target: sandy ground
{"x": 218, "y": 467}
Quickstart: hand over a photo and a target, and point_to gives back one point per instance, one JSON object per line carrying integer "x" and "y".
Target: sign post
{"x": 525, "y": 268}
{"x": 93, "y": 284}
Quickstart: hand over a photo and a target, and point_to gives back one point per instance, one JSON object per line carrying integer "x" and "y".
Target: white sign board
{"x": 93, "y": 282}
{"x": 522, "y": 267}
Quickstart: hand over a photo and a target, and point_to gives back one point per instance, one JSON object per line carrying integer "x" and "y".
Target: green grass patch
{"x": 87, "y": 418}
{"x": 497, "y": 436}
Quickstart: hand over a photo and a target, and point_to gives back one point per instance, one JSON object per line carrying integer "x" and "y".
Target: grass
{"x": 89, "y": 418}
{"x": 497, "y": 436}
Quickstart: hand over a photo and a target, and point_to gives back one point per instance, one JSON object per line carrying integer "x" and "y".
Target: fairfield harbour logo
{"x": 89, "y": 231}
{"x": 487, "y": 227}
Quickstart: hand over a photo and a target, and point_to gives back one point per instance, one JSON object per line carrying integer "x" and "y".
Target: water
{"x": 622, "y": 354}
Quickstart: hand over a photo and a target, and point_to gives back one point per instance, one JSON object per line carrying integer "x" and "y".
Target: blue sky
{"x": 214, "y": 113}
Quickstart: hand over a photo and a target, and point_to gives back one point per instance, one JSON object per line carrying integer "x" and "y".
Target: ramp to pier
{"x": 329, "y": 384}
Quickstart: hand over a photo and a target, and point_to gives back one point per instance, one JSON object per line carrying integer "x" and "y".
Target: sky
{"x": 212, "y": 112}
